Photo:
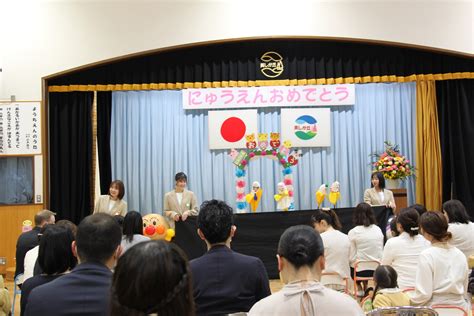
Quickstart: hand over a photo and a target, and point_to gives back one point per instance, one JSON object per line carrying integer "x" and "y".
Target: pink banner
{"x": 272, "y": 96}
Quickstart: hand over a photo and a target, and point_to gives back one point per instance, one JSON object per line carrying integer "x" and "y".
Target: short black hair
{"x": 98, "y": 236}
{"x": 132, "y": 224}
{"x": 215, "y": 220}
{"x": 363, "y": 215}
{"x": 456, "y": 212}
{"x": 379, "y": 176}
{"x": 163, "y": 287}
{"x": 181, "y": 176}
{"x": 55, "y": 252}
{"x": 301, "y": 246}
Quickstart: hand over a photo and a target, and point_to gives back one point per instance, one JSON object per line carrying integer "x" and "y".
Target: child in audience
{"x": 132, "y": 231}
{"x": 152, "y": 277}
{"x": 387, "y": 293}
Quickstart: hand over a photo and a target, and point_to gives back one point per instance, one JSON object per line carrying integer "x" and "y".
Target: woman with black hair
{"x": 55, "y": 258}
{"x": 387, "y": 293}
{"x": 132, "y": 231}
{"x": 402, "y": 252}
{"x": 442, "y": 271}
{"x": 336, "y": 243}
{"x": 300, "y": 262}
{"x": 377, "y": 194}
{"x": 460, "y": 226}
{"x": 180, "y": 203}
{"x": 163, "y": 287}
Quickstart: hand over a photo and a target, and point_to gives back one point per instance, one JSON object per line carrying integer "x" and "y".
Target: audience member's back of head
{"x": 420, "y": 208}
{"x": 329, "y": 216}
{"x": 152, "y": 277}
{"x": 98, "y": 237}
{"x": 385, "y": 277}
{"x": 363, "y": 215}
{"x": 132, "y": 224}
{"x": 215, "y": 221}
{"x": 456, "y": 212}
{"x": 301, "y": 246}
{"x": 55, "y": 253}
{"x": 435, "y": 224}
{"x": 69, "y": 225}
{"x": 44, "y": 216}
{"x": 408, "y": 219}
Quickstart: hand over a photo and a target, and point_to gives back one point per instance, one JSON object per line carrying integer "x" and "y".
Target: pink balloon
{"x": 290, "y": 193}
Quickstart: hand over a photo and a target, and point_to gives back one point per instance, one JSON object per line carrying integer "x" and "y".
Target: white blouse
{"x": 463, "y": 237}
{"x": 336, "y": 252}
{"x": 366, "y": 243}
{"x": 402, "y": 254}
{"x": 441, "y": 277}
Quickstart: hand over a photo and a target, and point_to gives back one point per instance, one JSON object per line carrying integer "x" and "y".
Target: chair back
{"x": 335, "y": 280}
{"x": 403, "y": 311}
{"x": 450, "y": 310}
{"x": 16, "y": 291}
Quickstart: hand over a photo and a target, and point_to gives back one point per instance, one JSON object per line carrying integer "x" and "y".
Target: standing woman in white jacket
{"x": 442, "y": 271}
{"x": 460, "y": 226}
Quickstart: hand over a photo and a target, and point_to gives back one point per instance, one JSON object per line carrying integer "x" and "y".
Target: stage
{"x": 258, "y": 233}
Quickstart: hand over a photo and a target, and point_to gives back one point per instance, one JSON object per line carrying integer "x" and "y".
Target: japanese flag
{"x": 227, "y": 129}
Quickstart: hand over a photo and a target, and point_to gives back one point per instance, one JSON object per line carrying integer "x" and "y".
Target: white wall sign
{"x": 20, "y": 128}
{"x": 271, "y": 96}
{"x": 307, "y": 127}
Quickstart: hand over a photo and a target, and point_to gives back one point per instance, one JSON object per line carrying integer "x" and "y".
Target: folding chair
{"x": 16, "y": 291}
{"x": 363, "y": 265}
{"x": 450, "y": 310}
{"x": 330, "y": 279}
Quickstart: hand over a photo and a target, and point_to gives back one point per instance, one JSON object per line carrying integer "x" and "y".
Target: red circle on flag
{"x": 233, "y": 129}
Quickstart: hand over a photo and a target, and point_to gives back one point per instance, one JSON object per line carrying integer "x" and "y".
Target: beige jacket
{"x": 172, "y": 208}
{"x": 5, "y": 302}
{"x": 102, "y": 206}
{"x": 372, "y": 197}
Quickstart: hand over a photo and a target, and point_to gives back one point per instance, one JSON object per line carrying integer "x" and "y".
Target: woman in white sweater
{"x": 402, "y": 252}
{"x": 336, "y": 243}
{"x": 442, "y": 271}
{"x": 460, "y": 226}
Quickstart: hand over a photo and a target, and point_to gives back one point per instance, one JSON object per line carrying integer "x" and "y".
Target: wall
{"x": 11, "y": 219}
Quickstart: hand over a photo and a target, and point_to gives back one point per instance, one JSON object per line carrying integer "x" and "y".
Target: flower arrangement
{"x": 392, "y": 164}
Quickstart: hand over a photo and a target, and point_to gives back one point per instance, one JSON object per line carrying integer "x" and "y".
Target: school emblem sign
{"x": 271, "y": 64}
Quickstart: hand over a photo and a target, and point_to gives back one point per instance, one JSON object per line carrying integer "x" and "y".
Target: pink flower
{"x": 274, "y": 153}
{"x": 290, "y": 193}
{"x": 240, "y": 196}
{"x": 252, "y": 154}
{"x": 287, "y": 181}
{"x": 264, "y": 153}
{"x": 244, "y": 162}
{"x": 282, "y": 161}
{"x": 241, "y": 183}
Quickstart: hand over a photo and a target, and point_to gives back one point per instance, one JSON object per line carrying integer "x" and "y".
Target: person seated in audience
{"x": 336, "y": 244}
{"x": 366, "y": 241}
{"x": 5, "y": 301}
{"x": 119, "y": 219}
{"x": 97, "y": 248}
{"x": 29, "y": 240}
{"x": 55, "y": 258}
{"x": 442, "y": 271}
{"x": 112, "y": 203}
{"x": 300, "y": 262}
{"x": 402, "y": 252}
{"x": 393, "y": 228}
{"x": 224, "y": 281}
{"x": 132, "y": 230}
{"x": 386, "y": 292}
{"x": 30, "y": 261}
{"x": 459, "y": 226}
{"x": 421, "y": 209}
{"x": 134, "y": 292}
{"x": 377, "y": 194}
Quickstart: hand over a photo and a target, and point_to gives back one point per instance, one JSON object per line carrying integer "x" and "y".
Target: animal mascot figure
{"x": 156, "y": 227}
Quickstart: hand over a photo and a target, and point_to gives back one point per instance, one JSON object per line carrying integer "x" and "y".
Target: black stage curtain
{"x": 104, "y": 117}
{"x": 456, "y": 124}
{"x": 70, "y": 149}
{"x": 258, "y": 233}
{"x": 240, "y": 61}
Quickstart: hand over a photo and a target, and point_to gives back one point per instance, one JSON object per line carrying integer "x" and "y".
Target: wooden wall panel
{"x": 11, "y": 219}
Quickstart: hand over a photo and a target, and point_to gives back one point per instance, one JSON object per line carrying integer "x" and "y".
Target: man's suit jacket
{"x": 26, "y": 242}
{"x": 84, "y": 291}
{"x": 172, "y": 207}
{"x": 226, "y": 281}
{"x": 372, "y": 197}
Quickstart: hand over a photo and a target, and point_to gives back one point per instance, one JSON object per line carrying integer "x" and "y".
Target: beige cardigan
{"x": 5, "y": 302}
{"x": 372, "y": 197}
{"x": 102, "y": 206}
{"x": 172, "y": 207}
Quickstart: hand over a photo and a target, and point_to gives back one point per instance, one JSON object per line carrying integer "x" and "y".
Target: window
{"x": 16, "y": 180}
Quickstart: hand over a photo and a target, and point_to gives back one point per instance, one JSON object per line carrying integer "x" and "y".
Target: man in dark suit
{"x": 86, "y": 289}
{"x": 29, "y": 240}
{"x": 224, "y": 281}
